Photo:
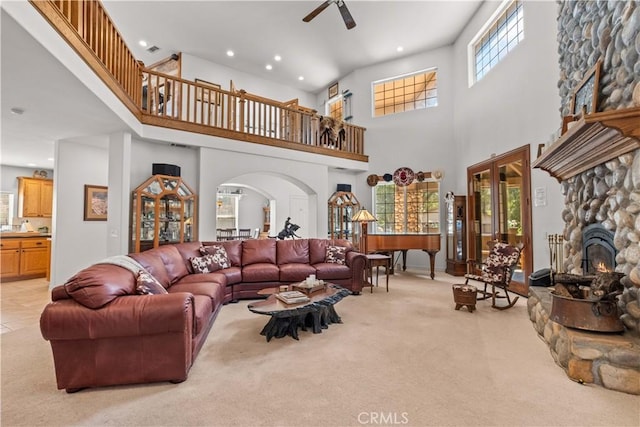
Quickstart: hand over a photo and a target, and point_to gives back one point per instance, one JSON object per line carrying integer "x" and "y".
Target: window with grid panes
{"x": 502, "y": 35}
{"x": 414, "y": 209}
{"x": 405, "y": 93}
{"x": 335, "y": 108}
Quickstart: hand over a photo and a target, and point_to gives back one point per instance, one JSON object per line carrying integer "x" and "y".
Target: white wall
{"x": 76, "y": 243}
{"x": 198, "y": 68}
{"x": 282, "y": 178}
{"x": 516, "y": 103}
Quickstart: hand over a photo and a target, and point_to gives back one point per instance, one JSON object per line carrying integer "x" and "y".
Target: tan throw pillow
{"x": 336, "y": 254}
{"x": 146, "y": 284}
{"x": 219, "y": 256}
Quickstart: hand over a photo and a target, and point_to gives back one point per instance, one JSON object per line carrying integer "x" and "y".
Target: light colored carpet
{"x": 400, "y": 358}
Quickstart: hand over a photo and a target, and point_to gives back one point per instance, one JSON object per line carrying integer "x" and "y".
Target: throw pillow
{"x": 219, "y": 254}
{"x": 146, "y": 284}
{"x": 204, "y": 264}
{"x": 336, "y": 254}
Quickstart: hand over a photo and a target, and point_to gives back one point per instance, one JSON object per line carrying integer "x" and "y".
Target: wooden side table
{"x": 377, "y": 261}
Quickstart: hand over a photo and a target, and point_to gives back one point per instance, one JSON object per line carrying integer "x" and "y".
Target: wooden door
{"x": 34, "y": 258}
{"x": 9, "y": 258}
{"x": 31, "y": 197}
{"x": 46, "y": 199}
{"x": 500, "y": 209}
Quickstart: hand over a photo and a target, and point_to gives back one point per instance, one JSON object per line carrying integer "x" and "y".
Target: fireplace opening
{"x": 598, "y": 251}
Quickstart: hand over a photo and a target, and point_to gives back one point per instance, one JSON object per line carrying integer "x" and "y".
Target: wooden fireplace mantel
{"x": 592, "y": 140}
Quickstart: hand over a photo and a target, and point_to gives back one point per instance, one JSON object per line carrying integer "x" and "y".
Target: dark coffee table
{"x": 317, "y": 314}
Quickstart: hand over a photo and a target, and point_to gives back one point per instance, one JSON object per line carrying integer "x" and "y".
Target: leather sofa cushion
{"x": 217, "y": 277}
{"x": 318, "y": 248}
{"x": 214, "y": 290}
{"x": 261, "y": 272}
{"x": 259, "y": 251}
{"x": 233, "y": 248}
{"x": 203, "y": 308}
{"x": 188, "y": 250}
{"x": 100, "y": 284}
{"x": 330, "y": 271}
{"x": 295, "y": 272}
{"x": 164, "y": 262}
{"x": 292, "y": 251}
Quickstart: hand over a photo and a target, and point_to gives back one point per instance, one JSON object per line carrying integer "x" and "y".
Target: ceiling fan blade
{"x": 346, "y": 16}
{"x": 317, "y": 11}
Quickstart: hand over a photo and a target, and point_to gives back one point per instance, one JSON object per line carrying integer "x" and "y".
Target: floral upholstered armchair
{"x": 497, "y": 271}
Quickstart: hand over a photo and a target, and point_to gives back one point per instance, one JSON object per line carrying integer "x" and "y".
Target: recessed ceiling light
{"x": 50, "y": 159}
{"x": 278, "y": 58}
{"x": 142, "y": 43}
{"x": 230, "y": 53}
{"x": 269, "y": 67}
{"x": 31, "y": 165}
{"x": 399, "y": 48}
{"x": 17, "y": 111}
{"x": 301, "y": 78}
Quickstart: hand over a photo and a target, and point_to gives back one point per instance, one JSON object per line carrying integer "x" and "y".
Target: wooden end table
{"x": 377, "y": 261}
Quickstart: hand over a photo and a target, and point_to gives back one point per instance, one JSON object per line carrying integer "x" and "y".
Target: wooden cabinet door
{"x": 30, "y": 193}
{"x": 9, "y": 259}
{"x": 46, "y": 199}
{"x": 34, "y": 257}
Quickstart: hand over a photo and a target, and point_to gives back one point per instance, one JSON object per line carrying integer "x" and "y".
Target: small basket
{"x": 465, "y": 295}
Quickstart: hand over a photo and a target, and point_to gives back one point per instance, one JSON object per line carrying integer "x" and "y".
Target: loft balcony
{"x": 164, "y": 100}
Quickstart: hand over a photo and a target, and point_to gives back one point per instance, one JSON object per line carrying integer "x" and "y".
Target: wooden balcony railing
{"x": 163, "y": 100}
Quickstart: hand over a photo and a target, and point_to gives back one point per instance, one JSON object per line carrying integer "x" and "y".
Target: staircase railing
{"x": 172, "y": 102}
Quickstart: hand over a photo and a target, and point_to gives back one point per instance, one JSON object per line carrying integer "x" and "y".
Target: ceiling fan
{"x": 346, "y": 16}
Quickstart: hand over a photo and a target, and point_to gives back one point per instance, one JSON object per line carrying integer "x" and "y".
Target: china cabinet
{"x": 164, "y": 212}
{"x": 342, "y": 206}
{"x": 456, "y": 232}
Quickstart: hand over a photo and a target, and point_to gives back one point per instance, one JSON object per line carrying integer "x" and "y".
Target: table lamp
{"x": 363, "y": 217}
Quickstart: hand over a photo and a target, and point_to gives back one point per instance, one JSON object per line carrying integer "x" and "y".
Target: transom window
{"x": 502, "y": 32}
{"x": 414, "y": 209}
{"x": 405, "y": 93}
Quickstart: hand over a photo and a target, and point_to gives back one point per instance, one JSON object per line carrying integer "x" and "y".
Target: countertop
{"x": 22, "y": 234}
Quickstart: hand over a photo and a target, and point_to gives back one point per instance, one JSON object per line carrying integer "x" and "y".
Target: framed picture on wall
{"x": 95, "y": 203}
{"x": 333, "y": 90}
{"x": 202, "y": 94}
{"x": 585, "y": 95}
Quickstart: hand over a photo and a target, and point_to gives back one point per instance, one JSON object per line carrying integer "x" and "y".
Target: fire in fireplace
{"x": 598, "y": 251}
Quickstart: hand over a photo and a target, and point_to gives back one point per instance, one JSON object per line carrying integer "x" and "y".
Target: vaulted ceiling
{"x": 322, "y": 51}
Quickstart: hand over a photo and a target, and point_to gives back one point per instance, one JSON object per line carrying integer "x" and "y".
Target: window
{"x": 405, "y": 93}
{"x": 502, "y": 32}
{"x": 334, "y": 107}
{"x": 6, "y": 210}
{"x": 407, "y": 210}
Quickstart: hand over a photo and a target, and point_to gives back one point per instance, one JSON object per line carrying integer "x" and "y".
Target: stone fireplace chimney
{"x": 597, "y": 161}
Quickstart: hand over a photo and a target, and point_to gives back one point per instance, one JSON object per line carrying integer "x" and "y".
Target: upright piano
{"x": 429, "y": 243}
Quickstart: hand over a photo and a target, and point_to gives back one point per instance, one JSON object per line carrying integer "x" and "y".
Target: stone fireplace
{"x": 597, "y": 162}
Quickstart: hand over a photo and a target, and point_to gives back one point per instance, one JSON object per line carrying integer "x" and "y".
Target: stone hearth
{"x": 610, "y": 360}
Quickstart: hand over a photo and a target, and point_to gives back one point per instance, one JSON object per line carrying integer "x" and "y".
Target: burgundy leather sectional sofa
{"x": 102, "y": 332}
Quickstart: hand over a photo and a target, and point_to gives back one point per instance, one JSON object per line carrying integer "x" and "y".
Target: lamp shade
{"x": 363, "y": 215}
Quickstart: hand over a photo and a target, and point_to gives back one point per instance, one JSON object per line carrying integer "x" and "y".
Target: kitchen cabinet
{"x": 25, "y": 258}
{"x": 164, "y": 212}
{"x": 35, "y": 197}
